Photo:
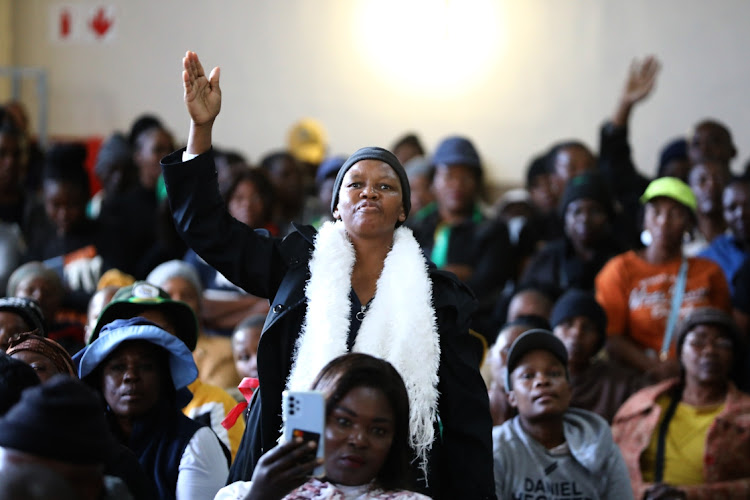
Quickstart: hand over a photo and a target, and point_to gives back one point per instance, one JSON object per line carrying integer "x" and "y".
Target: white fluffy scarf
{"x": 399, "y": 325}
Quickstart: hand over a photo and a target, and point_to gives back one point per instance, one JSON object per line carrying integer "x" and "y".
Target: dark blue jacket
{"x": 158, "y": 440}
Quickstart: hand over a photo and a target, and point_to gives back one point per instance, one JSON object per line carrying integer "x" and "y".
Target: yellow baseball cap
{"x": 307, "y": 140}
{"x": 670, "y": 187}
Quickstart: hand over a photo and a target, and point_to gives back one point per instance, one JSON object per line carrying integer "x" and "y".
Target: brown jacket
{"x": 726, "y": 463}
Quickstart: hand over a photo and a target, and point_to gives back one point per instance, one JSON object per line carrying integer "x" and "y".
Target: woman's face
{"x": 545, "y": 193}
{"x": 706, "y": 354}
{"x": 456, "y": 188}
{"x": 667, "y": 220}
{"x": 287, "y": 178}
{"x": 707, "y": 180}
{"x": 246, "y": 205}
{"x": 65, "y": 205}
{"x": 43, "y": 366}
{"x": 151, "y": 147}
{"x": 358, "y": 436}
{"x": 736, "y": 202}
{"x": 43, "y": 292}
{"x": 370, "y": 201}
{"x": 184, "y": 291}
{"x": 10, "y": 324}
{"x": 131, "y": 379}
{"x": 585, "y": 221}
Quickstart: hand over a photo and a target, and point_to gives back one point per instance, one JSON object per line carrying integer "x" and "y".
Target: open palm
{"x": 641, "y": 79}
{"x": 202, "y": 94}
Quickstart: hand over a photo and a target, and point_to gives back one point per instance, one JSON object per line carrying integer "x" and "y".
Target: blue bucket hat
{"x": 112, "y": 335}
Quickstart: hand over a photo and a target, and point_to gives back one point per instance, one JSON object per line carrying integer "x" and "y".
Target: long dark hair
{"x": 354, "y": 370}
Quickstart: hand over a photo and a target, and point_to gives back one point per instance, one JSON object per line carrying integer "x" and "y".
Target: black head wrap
{"x": 380, "y": 154}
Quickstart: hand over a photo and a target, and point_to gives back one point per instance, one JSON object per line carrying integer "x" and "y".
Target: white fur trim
{"x": 400, "y": 324}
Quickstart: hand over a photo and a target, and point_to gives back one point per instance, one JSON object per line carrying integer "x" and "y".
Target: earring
{"x": 646, "y": 237}
{"x": 687, "y": 237}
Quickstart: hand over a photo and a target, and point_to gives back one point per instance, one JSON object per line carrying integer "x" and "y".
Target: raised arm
{"x": 203, "y": 102}
{"x": 639, "y": 83}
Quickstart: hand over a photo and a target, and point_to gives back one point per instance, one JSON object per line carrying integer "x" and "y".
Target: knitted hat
{"x": 380, "y": 154}
{"x": 588, "y": 186}
{"x": 577, "y": 302}
{"x": 181, "y": 365}
{"x": 670, "y": 187}
{"x": 674, "y": 150}
{"x": 175, "y": 269}
{"x": 141, "y": 296}
{"x": 534, "y": 340}
{"x": 457, "y": 151}
{"x": 62, "y": 419}
{"x": 28, "y": 310}
{"x": 710, "y": 316}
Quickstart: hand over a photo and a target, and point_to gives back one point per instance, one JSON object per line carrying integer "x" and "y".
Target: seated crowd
{"x": 606, "y": 312}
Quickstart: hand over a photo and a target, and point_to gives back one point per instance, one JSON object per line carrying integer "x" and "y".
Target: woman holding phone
{"x": 366, "y": 441}
{"x": 361, "y": 283}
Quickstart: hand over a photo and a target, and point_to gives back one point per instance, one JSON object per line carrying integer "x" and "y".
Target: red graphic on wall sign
{"x": 100, "y": 24}
{"x": 64, "y": 24}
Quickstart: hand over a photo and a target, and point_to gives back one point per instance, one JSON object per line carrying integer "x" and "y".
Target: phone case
{"x": 303, "y": 414}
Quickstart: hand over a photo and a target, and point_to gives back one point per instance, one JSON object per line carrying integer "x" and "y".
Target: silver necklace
{"x": 361, "y": 313}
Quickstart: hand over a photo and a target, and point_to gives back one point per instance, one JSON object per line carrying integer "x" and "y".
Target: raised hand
{"x": 641, "y": 80}
{"x": 202, "y": 94}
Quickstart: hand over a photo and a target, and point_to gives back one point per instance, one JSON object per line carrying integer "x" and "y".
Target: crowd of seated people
{"x": 607, "y": 312}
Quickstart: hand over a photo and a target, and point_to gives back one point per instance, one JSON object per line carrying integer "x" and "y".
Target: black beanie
{"x": 373, "y": 153}
{"x": 576, "y": 302}
{"x": 62, "y": 419}
{"x": 590, "y": 186}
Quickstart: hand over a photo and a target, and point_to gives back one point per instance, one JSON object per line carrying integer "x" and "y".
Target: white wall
{"x": 536, "y": 70}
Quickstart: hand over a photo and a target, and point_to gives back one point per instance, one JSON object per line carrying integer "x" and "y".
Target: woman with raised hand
{"x": 359, "y": 284}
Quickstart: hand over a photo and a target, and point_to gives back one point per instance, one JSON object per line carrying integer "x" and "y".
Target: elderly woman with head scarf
{"x": 138, "y": 368}
{"x": 646, "y": 292}
{"x": 45, "y": 356}
{"x": 361, "y": 284}
{"x": 689, "y": 437}
{"x": 35, "y": 281}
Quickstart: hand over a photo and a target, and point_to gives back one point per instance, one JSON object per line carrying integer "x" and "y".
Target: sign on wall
{"x": 82, "y": 23}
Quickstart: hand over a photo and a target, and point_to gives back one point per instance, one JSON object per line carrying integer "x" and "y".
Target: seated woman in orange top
{"x": 639, "y": 289}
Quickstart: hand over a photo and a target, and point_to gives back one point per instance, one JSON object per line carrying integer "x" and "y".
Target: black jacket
{"x": 461, "y": 458}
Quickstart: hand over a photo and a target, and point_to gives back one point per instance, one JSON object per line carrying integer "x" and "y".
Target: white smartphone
{"x": 304, "y": 415}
